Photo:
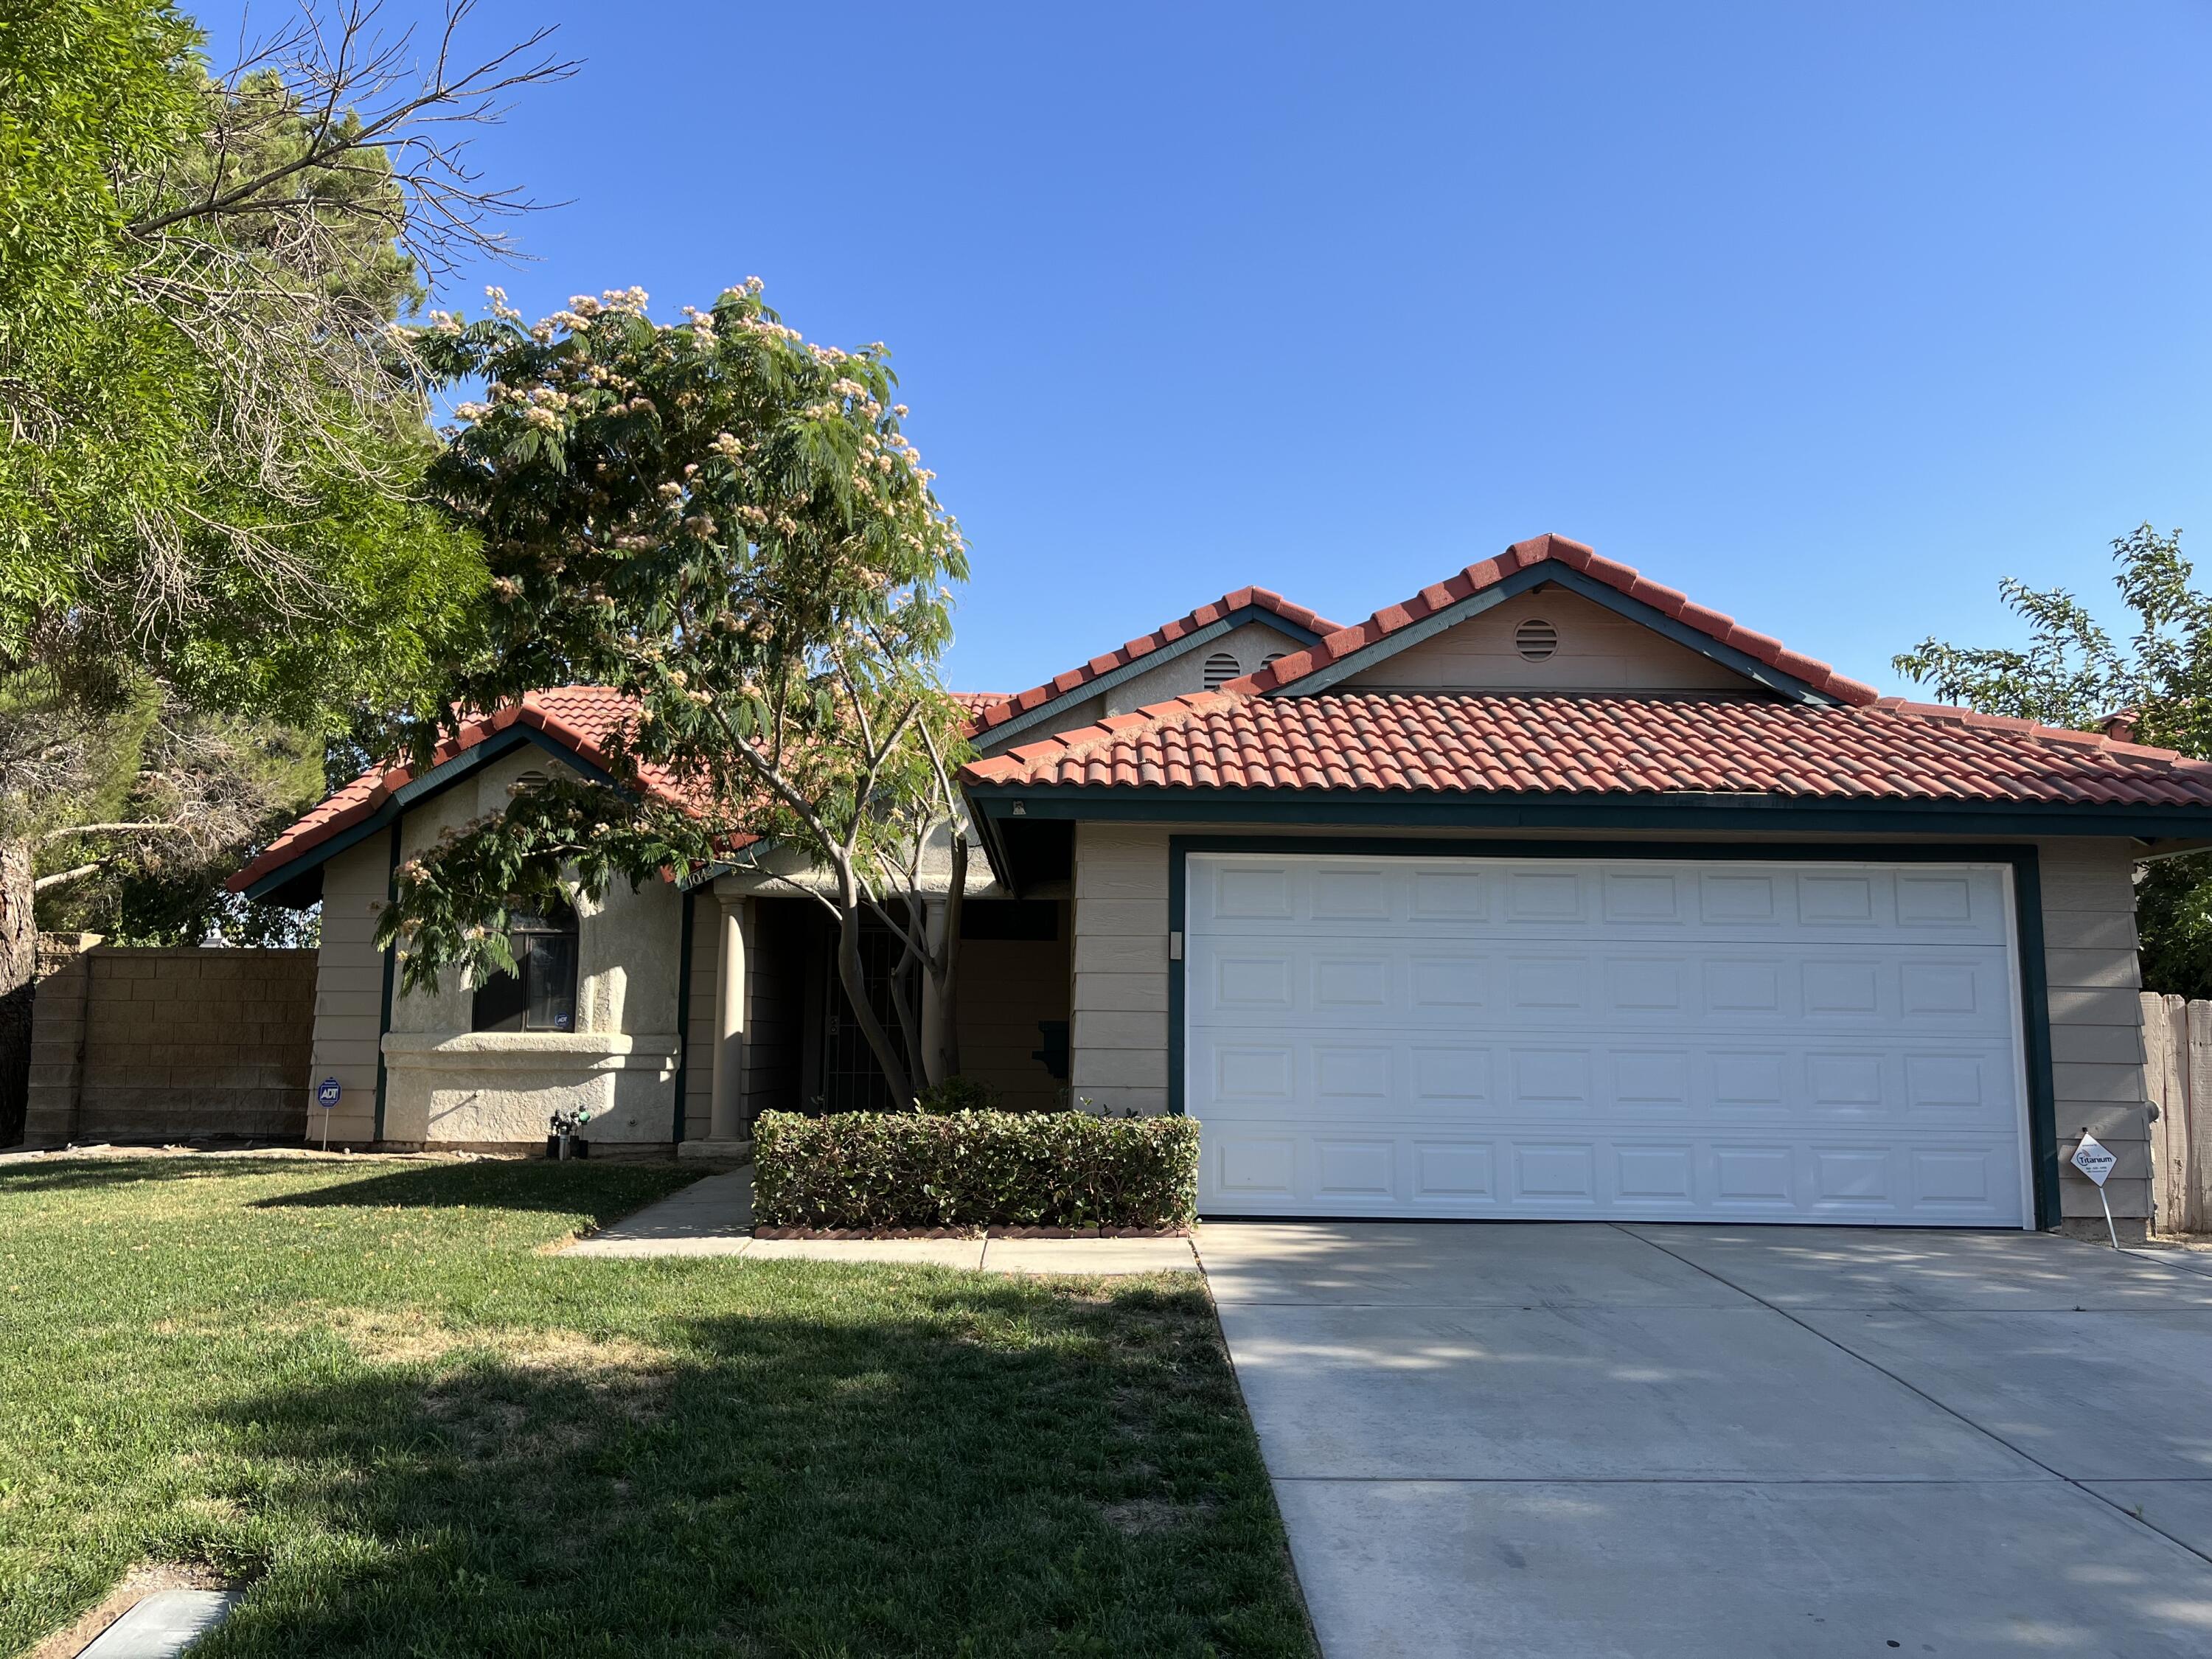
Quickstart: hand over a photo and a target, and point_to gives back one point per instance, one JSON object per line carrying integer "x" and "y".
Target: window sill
{"x": 604, "y": 1051}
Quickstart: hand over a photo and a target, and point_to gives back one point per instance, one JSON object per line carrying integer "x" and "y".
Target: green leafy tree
{"x": 2156, "y": 685}
{"x": 726, "y": 522}
{"x": 211, "y": 473}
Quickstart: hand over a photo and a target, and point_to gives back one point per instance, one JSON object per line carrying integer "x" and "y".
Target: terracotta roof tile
{"x": 1485, "y": 741}
{"x": 579, "y": 717}
{"x": 1521, "y": 555}
{"x": 1021, "y": 702}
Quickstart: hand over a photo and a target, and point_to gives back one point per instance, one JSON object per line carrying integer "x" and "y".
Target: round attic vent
{"x": 1220, "y": 669}
{"x": 525, "y": 781}
{"x": 1536, "y": 640}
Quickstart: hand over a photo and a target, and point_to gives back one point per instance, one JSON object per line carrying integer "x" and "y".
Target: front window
{"x": 540, "y": 996}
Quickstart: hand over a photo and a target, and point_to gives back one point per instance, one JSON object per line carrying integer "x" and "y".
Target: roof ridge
{"x": 1955, "y": 713}
{"x": 1585, "y": 559}
{"x": 1129, "y": 651}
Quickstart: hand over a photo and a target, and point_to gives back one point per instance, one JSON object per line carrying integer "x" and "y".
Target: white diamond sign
{"x": 2091, "y": 1159}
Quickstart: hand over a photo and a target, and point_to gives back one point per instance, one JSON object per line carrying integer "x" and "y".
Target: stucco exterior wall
{"x": 349, "y": 990}
{"x": 1599, "y": 650}
{"x": 1119, "y": 961}
{"x": 446, "y": 1085}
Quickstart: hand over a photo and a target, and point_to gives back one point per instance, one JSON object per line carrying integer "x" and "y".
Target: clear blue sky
{"x": 1830, "y": 314}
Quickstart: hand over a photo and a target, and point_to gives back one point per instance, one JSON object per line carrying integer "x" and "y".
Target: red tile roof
{"x": 580, "y": 718}
{"x": 976, "y": 701}
{"x": 1487, "y": 742}
{"x": 1575, "y": 556}
{"x": 1021, "y": 702}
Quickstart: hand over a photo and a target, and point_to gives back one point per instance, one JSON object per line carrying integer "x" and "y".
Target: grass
{"x": 364, "y": 1390}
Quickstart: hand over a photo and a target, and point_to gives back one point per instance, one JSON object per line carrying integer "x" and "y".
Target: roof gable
{"x": 571, "y": 722}
{"x": 1025, "y": 709}
{"x": 1764, "y": 661}
{"x": 1552, "y": 641}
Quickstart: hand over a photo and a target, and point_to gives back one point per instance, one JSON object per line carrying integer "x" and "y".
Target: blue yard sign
{"x": 326, "y": 1093}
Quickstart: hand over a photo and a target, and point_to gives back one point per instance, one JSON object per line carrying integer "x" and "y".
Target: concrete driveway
{"x": 1536, "y": 1440}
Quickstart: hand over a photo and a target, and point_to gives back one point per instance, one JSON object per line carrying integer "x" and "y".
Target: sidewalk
{"x": 714, "y": 1216}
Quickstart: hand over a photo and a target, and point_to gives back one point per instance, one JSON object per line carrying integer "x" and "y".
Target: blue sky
{"x": 1830, "y": 315}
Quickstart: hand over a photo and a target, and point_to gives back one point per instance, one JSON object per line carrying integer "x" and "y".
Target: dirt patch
{"x": 137, "y": 1585}
{"x": 1143, "y": 1515}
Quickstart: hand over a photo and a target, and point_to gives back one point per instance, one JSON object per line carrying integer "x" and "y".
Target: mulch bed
{"x": 971, "y": 1232}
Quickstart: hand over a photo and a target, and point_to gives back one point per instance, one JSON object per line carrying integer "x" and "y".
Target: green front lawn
{"x": 361, "y": 1389}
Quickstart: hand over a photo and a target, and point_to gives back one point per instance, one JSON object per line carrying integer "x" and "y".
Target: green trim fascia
{"x": 683, "y": 1016}
{"x": 2027, "y": 919}
{"x": 1214, "y": 630}
{"x": 2035, "y": 999}
{"x": 1566, "y": 576}
{"x": 436, "y": 780}
{"x": 1409, "y": 810}
{"x": 384, "y": 1010}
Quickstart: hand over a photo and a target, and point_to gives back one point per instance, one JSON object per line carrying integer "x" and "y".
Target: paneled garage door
{"x": 1656, "y": 1040}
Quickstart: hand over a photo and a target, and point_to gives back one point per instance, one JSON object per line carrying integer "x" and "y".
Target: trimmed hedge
{"x": 872, "y": 1170}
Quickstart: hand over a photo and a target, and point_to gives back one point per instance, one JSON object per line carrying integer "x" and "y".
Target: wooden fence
{"x": 2178, "y": 1078}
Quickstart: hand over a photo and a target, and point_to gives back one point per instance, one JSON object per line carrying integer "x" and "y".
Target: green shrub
{"x": 870, "y": 1169}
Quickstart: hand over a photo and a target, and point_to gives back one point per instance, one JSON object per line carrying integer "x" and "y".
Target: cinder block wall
{"x": 185, "y": 1044}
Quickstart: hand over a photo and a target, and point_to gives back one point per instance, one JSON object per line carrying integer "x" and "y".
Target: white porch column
{"x": 727, "y": 1119}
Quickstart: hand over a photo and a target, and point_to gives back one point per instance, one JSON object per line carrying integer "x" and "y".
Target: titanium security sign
{"x": 2091, "y": 1159}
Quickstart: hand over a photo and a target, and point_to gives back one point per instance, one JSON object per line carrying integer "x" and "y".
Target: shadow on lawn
{"x": 986, "y": 1469}
{"x": 63, "y": 1173}
{"x": 604, "y": 1191}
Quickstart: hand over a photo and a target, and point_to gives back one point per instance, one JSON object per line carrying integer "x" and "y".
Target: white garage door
{"x": 1655, "y": 1040}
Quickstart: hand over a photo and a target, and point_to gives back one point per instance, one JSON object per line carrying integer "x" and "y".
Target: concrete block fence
{"x": 159, "y": 1045}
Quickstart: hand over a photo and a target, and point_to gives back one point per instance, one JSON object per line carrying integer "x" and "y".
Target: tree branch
{"x": 145, "y": 828}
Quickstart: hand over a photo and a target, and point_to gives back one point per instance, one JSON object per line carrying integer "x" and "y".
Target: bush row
{"x": 869, "y": 1170}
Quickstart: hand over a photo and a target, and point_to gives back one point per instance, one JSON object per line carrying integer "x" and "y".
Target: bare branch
{"x": 142, "y": 828}
{"x": 357, "y": 93}
{"x": 62, "y": 878}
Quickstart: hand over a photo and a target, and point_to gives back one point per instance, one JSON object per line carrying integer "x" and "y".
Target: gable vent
{"x": 526, "y": 781}
{"x": 1220, "y": 669}
{"x": 1536, "y": 640}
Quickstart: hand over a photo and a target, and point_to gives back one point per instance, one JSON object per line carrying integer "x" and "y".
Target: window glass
{"x": 540, "y": 996}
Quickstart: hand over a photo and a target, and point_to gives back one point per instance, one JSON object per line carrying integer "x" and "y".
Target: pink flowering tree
{"x": 724, "y": 522}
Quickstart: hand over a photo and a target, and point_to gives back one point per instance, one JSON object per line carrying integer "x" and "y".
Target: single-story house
{"x": 1544, "y": 894}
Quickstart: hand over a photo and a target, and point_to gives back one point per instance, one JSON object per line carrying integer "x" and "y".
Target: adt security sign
{"x": 2091, "y": 1159}
{"x": 326, "y": 1096}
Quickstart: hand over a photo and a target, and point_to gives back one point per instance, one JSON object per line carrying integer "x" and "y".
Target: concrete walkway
{"x": 714, "y": 1216}
{"x": 1583, "y": 1440}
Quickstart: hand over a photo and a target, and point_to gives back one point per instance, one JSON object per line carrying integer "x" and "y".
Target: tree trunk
{"x": 851, "y": 976}
{"x": 19, "y": 965}
{"x": 944, "y": 1041}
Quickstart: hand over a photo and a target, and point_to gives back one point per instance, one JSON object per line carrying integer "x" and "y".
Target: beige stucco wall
{"x": 350, "y": 989}
{"x": 1121, "y": 991}
{"x": 1599, "y": 650}
{"x": 447, "y": 1084}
